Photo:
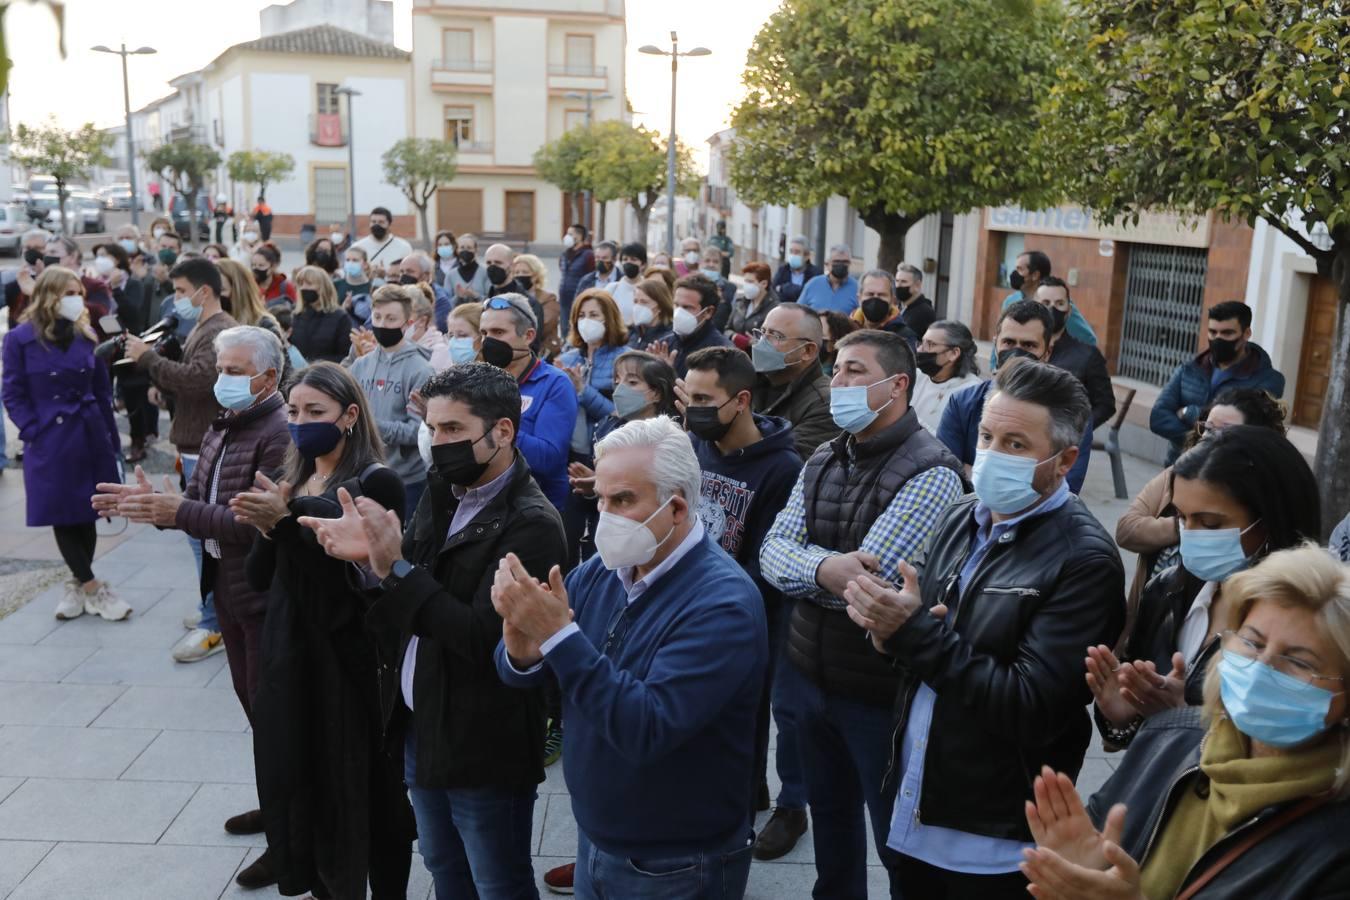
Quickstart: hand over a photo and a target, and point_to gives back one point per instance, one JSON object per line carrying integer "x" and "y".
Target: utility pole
{"x": 126, "y": 106}
{"x": 674, "y": 54}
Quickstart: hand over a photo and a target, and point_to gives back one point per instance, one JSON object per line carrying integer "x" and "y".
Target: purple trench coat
{"x": 61, "y": 401}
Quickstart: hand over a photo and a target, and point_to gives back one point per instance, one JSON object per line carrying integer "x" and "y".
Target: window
{"x": 579, "y": 54}
{"x": 330, "y": 194}
{"x": 459, "y": 124}
{"x": 326, "y": 101}
{"x": 456, "y": 48}
{"x": 572, "y": 118}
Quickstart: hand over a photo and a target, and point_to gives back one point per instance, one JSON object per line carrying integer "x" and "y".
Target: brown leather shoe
{"x": 781, "y": 833}
{"x": 258, "y": 875}
{"x": 250, "y": 822}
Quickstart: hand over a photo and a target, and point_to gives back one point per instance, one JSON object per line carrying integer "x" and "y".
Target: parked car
{"x": 117, "y": 196}
{"x": 91, "y": 219}
{"x": 13, "y": 223}
{"x": 182, "y": 223}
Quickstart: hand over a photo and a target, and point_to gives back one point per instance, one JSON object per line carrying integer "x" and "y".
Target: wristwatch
{"x": 400, "y": 570}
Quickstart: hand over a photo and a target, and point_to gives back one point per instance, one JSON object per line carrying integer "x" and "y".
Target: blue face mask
{"x": 1269, "y": 706}
{"x": 128, "y": 245}
{"x": 377, "y": 283}
{"x": 352, "y": 269}
{"x": 234, "y": 391}
{"x": 445, "y": 251}
{"x": 710, "y": 274}
{"x": 1213, "y": 554}
{"x": 1003, "y": 481}
{"x": 849, "y": 408}
{"x": 629, "y": 401}
{"x": 314, "y": 439}
{"x": 183, "y": 308}
{"x": 462, "y": 350}
{"x": 795, "y": 260}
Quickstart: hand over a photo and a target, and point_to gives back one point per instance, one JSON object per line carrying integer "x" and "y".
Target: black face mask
{"x": 407, "y": 279}
{"x": 603, "y": 266}
{"x": 876, "y": 309}
{"x": 32, "y": 257}
{"x": 465, "y": 256}
{"x": 703, "y": 421}
{"x": 261, "y": 275}
{"x": 1014, "y": 353}
{"x": 630, "y": 270}
{"x": 388, "y": 337}
{"x": 524, "y": 283}
{"x": 839, "y": 270}
{"x": 456, "y": 464}
{"x": 927, "y": 363}
{"x": 378, "y": 232}
{"x": 309, "y": 296}
{"x": 1060, "y": 316}
{"x": 497, "y": 352}
{"x": 496, "y": 275}
{"x": 1223, "y": 351}
{"x": 902, "y": 294}
{"x": 51, "y": 261}
{"x": 1015, "y": 280}
{"x": 324, "y": 260}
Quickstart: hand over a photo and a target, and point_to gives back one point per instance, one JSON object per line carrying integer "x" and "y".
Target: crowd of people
{"x": 451, "y": 526}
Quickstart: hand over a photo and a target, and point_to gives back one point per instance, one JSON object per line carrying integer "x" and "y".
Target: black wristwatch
{"x": 400, "y": 570}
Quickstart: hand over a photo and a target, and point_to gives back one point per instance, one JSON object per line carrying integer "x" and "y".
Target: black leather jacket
{"x": 1007, "y": 662}
{"x": 1307, "y": 858}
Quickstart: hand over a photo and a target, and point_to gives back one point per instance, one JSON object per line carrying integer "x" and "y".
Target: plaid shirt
{"x": 789, "y": 560}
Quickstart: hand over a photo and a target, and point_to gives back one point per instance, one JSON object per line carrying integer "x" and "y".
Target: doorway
{"x": 520, "y": 215}
{"x": 1314, "y": 365}
{"x": 459, "y": 210}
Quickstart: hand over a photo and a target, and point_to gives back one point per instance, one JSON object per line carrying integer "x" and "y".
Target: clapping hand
{"x": 1149, "y": 692}
{"x": 150, "y": 508}
{"x": 1072, "y": 859}
{"x": 264, "y": 506}
{"x": 1103, "y": 669}
{"x": 111, "y": 493}
{"x": 531, "y": 612}
{"x": 681, "y": 396}
{"x": 417, "y": 404}
{"x": 582, "y": 479}
{"x": 577, "y": 375}
{"x": 879, "y": 607}
{"x": 663, "y": 350}
{"x": 363, "y": 341}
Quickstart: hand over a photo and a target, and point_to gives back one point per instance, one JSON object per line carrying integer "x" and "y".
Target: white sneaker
{"x": 192, "y": 621}
{"x": 107, "y": 604}
{"x": 71, "y": 604}
{"x": 197, "y": 645}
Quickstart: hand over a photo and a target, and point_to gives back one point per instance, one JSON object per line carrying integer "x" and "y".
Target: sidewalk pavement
{"x": 119, "y": 766}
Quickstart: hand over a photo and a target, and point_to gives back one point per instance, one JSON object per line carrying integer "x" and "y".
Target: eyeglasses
{"x": 773, "y": 337}
{"x": 1301, "y": 673}
{"x": 503, "y": 303}
{"x": 930, "y": 347}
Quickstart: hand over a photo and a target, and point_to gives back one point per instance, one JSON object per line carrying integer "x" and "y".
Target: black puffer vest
{"x": 847, "y": 485}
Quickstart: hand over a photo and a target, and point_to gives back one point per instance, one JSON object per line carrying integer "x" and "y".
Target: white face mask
{"x": 104, "y": 265}
{"x": 71, "y": 307}
{"x": 642, "y": 315}
{"x": 691, "y": 258}
{"x": 336, "y": 237}
{"x": 591, "y": 330}
{"x": 424, "y": 443}
{"x": 158, "y": 232}
{"x": 250, "y": 236}
{"x": 569, "y": 242}
{"x": 684, "y": 322}
{"x": 751, "y": 290}
{"x": 623, "y": 542}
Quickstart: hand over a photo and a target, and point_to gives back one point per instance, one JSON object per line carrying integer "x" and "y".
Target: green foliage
{"x": 64, "y": 155}
{"x": 260, "y": 167}
{"x": 420, "y": 165}
{"x": 184, "y": 164}
{"x": 905, "y": 109}
{"x": 560, "y": 162}
{"x": 1238, "y": 107}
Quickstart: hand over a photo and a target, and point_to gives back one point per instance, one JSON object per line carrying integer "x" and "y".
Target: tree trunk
{"x": 644, "y": 213}
{"x": 426, "y": 232}
{"x": 61, "y": 210}
{"x": 604, "y": 209}
{"x": 575, "y": 205}
{"x": 1333, "y": 437}
{"x": 892, "y": 227}
{"x": 192, "y": 217}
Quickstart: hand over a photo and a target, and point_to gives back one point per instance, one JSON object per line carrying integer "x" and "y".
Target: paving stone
{"x": 155, "y": 668}
{"x": 19, "y": 663}
{"x": 195, "y": 756}
{"x": 135, "y": 632}
{"x": 119, "y": 872}
{"x": 17, "y": 859}
{"x": 54, "y": 704}
{"x": 202, "y": 821}
{"x": 54, "y": 751}
{"x": 127, "y": 812}
{"x": 174, "y": 709}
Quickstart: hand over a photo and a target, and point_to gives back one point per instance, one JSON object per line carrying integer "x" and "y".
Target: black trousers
{"x": 77, "y": 543}
{"x": 913, "y": 879}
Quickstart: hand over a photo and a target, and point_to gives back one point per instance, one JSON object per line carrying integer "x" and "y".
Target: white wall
{"x": 230, "y": 105}
{"x": 517, "y": 91}
{"x": 381, "y": 120}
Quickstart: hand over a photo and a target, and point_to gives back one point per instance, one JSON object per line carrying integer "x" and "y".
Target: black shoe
{"x": 245, "y": 823}
{"x": 762, "y": 797}
{"x": 781, "y": 833}
{"x": 258, "y": 875}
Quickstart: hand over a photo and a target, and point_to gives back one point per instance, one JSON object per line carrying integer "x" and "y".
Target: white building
{"x": 501, "y": 78}
{"x": 372, "y": 18}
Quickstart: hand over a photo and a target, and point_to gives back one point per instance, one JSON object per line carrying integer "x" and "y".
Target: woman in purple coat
{"x": 60, "y": 397}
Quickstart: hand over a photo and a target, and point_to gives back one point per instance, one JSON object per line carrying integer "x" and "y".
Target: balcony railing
{"x": 576, "y": 70}
{"x": 461, "y": 65}
{"x": 328, "y": 130}
{"x": 193, "y": 133}
{"x": 475, "y": 146}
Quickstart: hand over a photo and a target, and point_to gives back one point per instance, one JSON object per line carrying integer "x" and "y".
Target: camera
{"x": 162, "y": 338}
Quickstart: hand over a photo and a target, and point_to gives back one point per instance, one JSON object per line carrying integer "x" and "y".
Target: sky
{"x": 87, "y": 86}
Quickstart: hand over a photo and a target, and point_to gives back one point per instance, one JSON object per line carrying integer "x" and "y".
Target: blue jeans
{"x": 208, "y": 602}
{"x": 475, "y": 842}
{"x": 717, "y": 875}
{"x": 845, "y": 748}
{"x": 788, "y": 755}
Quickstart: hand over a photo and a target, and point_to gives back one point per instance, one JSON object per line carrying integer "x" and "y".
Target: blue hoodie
{"x": 744, "y": 491}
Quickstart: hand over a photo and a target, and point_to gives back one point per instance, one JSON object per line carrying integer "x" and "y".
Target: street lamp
{"x": 126, "y": 106}
{"x": 674, "y": 54}
{"x": 349, "y": 93}
{"x": 589, "y": 96}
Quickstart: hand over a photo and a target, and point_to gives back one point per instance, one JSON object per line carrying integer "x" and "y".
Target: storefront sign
{"x": 1167, "y": 229}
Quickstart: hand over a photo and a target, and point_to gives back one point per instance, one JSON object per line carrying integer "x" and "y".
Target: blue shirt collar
{"x": 984, "y": 516}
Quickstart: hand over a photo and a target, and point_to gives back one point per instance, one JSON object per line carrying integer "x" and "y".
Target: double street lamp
{"x": 126, "y": 106}
{"x": 674, "y": 54}
{"x": 349, "y": 93}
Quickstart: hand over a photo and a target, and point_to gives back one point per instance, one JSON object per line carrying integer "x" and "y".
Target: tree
{"x": 1237, "y": 107}
{"x": 64, "y": 155}
{"x": 186, "y": 166}
{"x": 560, "y": 163}
{"x": 629, "y": 163}
{"x": 260, "y": 167}
{"x": 905, "y": 109}
{"x": 419, "y": 166}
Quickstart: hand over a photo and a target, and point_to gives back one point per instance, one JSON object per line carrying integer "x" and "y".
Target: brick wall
{"x": 1230, "y": 251}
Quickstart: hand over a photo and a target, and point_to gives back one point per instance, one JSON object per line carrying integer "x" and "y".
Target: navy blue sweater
{"x": 661, "y": 722}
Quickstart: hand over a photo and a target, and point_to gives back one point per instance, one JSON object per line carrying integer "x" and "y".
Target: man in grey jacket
{"x": 389, "y": 374}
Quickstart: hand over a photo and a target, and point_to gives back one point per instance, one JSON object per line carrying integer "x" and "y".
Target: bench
{"x": 1111, "y": 443}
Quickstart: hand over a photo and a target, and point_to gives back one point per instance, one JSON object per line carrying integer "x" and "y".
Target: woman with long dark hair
{"x": 333, "y": 802}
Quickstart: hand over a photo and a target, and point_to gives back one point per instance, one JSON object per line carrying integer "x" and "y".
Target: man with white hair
{"x": 659, "y": 645}
{"x": 248, "y": 436}
{"x": 417, "y": 268}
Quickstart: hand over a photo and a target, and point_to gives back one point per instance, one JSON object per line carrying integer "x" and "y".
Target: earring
{"x": 349, "y": 431}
